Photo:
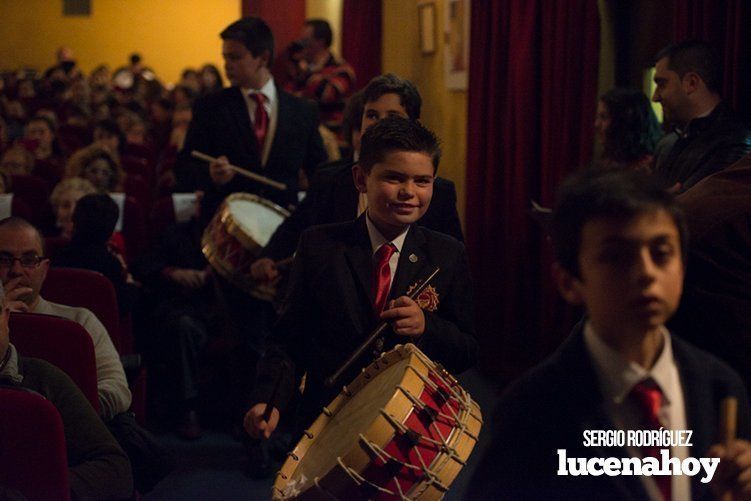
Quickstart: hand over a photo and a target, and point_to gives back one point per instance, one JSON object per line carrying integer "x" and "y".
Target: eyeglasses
{"x": 28, "y": 261}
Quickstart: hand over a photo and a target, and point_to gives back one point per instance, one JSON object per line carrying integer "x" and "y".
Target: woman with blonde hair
{"x": 64, "y": 198}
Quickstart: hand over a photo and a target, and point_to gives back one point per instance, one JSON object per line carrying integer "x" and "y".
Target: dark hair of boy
{"x": 397, "y": 134}
{"x": 94, "y": 219}
{"x": 616, "y": 195}
{"x": 392, "y": 84}
{"x": 321, "y": 30}
{"x": 694, "y": 56}
{"x": 254, "y": 34}
{"x": 353, "y": 115}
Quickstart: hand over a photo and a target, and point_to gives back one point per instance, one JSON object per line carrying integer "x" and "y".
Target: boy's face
{"x": 398, "y": 189}
{"x": 631, "y": 273}
{"x": 242, "y": 68}
{"x": 388, "y": 105}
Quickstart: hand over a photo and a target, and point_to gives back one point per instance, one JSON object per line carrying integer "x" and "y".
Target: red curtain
{"x": 286, "y": 19}
{"x": 361, "y": 38}
{"x": 723, "y": 25}
{"x": 532, "y": 97}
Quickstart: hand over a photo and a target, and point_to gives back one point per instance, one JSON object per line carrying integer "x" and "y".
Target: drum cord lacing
{"x": 360, "y": 480}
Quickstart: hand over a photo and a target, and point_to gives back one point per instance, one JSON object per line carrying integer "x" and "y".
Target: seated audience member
{"x": 97, "y": 466}
{"x": 333, "y": 196}
{"x": 64, "y": 198}
{"x": 715, "y": 311}
{"x": 620, "y": 244}
{"x": 108, "y": 135}
{"x": 94, "y": 220}
{"x": 175, "y": 275}
{"x": 328, "y": 311}
{"x": 41, "y": 137}
{"x": 707, "y": 135}
{"x": 97, "y": 165}
{"x": 211, "y": 79}
{"x": 23, "y": 269}
{"x": 17, "y": 161}
{"x": 627, "y": 129}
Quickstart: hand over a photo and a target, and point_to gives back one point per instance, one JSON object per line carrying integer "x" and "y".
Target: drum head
{"x": 256, "y": 217}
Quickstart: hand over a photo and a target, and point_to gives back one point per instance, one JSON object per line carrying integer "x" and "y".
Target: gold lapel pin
{"x": 412, "y": 258}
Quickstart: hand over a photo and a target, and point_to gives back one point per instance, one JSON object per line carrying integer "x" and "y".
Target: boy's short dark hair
{"x": 397, "y": 134}
{"x": 321, "y": 30}
{"x": 694, "y": 56}
{"x": 393, "y": 84}
{"x": 94, "y": 218}
{"x": 618, "y": 195}
{"x": 254, "y": 34}
{"x": 353, "y": 115}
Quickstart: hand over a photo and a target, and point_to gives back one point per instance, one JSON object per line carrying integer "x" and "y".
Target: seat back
{"x": 63, "y": 343}
{"x": 33, "y": 459}
{"x": 86, "y": 289}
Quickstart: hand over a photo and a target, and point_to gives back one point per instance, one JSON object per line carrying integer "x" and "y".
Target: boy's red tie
{"x": 382, "y": 276}
{"x": 261, "y": 125}
{"x": 649, "y": 397}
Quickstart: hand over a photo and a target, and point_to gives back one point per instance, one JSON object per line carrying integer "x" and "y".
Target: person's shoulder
{"x": 694, "y": 359}
{"x": 219, "y": 98}
{"x": 78, "y": 314}
{"x": 438, "y": 240}
{"x": 300, "y": 105}
{"x": 332, "y": 232}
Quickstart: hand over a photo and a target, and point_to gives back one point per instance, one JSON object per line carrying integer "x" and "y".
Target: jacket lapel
{"x": 243, "y": 127}
{"x": 359, "y": 257}
{"x": 284, "y": 122}
{"x": 412, "y": 261}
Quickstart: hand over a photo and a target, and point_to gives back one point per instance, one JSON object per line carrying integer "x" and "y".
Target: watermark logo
{"x": 659, "y": 440}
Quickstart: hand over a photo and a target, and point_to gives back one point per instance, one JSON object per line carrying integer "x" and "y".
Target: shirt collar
{"x": 619, "y": 375}
{"x": 377, "y": 239}
{"x": 268, "y": 90}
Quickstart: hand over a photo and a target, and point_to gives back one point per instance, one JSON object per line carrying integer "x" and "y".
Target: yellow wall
{"x": 443, "y": 111}
{"x": 331, "y": 11}
{"x": 170, "y": 35}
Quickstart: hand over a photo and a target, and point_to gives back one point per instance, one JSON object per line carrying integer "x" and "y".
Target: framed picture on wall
{"x": 456, "y": 39}
{"x": 426, "y": 15}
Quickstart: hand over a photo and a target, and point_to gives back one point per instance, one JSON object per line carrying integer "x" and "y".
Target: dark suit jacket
{"x": 711, "y": 144}
{"x": 551, "y": 406}
{"x": 333, "y": 198}
{"x": 328, "y": 311}
{"x": 715, "y": 310}
{"x": 221, "y": 126}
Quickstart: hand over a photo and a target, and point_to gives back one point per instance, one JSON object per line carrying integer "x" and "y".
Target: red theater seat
{"x": 62, "y": 343}
{"x": 33, "y": 460}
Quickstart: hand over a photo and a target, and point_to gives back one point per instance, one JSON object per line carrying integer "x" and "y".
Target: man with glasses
{"x": 23, "y": 269}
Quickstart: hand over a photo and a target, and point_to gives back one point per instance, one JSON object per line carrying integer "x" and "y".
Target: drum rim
{"x": 234, "y": 227}
{"x": 412, "y": 353}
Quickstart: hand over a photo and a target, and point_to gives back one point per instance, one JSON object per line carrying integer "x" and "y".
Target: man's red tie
{"x": 649, "y": 397}
{"x": 261, "y": 125}
{"x": 382, "y": 276}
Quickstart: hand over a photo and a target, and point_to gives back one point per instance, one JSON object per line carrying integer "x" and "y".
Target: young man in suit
{"x": 252, "y": 124}
{"x": 620, "y": 245}
{"x": 333, "y": 196}
{"x": 343, "y": 274}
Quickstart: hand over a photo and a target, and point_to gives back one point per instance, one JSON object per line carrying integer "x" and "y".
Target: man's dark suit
{"x": 221, "y": 126}
{"x": 329, "y": 312}
{"x": 333, "y": 198}
{"x": 709, "y": 145}
{"x": 551, "y": 406}
{"x": 715, "y": 311}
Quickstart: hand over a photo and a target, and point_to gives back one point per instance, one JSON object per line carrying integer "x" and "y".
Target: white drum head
{"x": 255, "y": 219}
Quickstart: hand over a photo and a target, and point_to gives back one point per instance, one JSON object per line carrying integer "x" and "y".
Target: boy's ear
{"x": 360, "y": 177}
{"x": 568, "y": 284}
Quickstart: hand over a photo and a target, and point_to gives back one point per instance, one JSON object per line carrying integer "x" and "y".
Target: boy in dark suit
{"x": 620, "y": 246}
{"x": 343, "y": 274}
{"x": 253, "y": 124}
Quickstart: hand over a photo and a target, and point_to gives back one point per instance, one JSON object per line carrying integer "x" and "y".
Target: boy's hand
{"x": 220, "y": 171}
{"x": 734, "y": 471}
{"x": 264, "y": 270}
{"x": 405, "y": 317}
{"x": 256, "y": 426}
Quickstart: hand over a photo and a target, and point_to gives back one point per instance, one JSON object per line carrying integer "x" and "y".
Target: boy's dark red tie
{"x": 649, "y": 397}
{"x": 261, "y": 125}
{"x": 382, "y": 276}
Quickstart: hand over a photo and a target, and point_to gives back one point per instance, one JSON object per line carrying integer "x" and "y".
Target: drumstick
{"x": 252, "y": 175}
{"x": 377, "y": 332}
{"x": 728, "y": 428}
{"x": 272, "y": 399}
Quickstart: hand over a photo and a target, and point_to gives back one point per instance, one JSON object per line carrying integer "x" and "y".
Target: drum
{"x": 240, "y": 228}
{"x": 403, "y": 429}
